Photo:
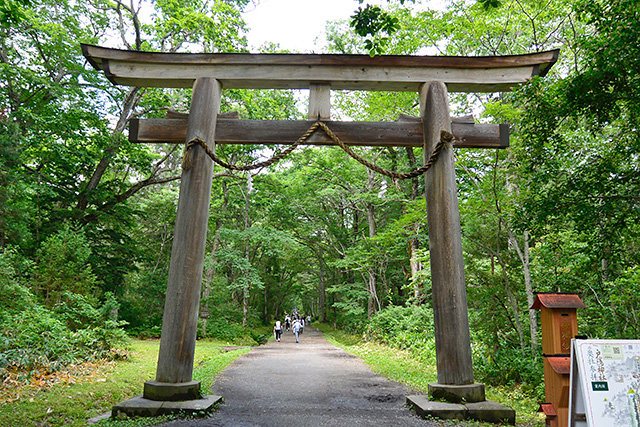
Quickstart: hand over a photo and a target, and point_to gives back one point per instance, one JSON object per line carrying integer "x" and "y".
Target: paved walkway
{"x": 311, "y": 383}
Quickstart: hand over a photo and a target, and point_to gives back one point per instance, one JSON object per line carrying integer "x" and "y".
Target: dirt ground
{"x": 310, "y": 383}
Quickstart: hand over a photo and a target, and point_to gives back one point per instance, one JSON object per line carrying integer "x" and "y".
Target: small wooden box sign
{"x": 605, "y": 383}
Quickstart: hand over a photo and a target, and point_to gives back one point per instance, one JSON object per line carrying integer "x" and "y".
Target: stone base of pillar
{"x": 140, "y": 406}
{"x": 467, "y": 393}
{"x": 486, "y": 411}
{"x": 156, "y": 390}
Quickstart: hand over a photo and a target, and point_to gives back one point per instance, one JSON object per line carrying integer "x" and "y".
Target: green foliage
{"x": 14, "y": 295}
{"x": 624, "y": 306}
{"x": 490, "y": 4}
{"x": 406, "y": 328}
{"x": 12, "y": 11}
{"x": 606, "y": 89}
{"x": 63, "y": 265}
{"x": 349, "y": 301}
{"x": 34, "y": 339}
{"x": 224, "y": 330}
{"x": 217, "y": 26}
{"x": 77, "y": 330}
{"x": 372, "y": 23}
{"x": 507, "y": 366}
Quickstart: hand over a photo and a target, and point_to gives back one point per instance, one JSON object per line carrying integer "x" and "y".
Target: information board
{"x": 605, "y": 383}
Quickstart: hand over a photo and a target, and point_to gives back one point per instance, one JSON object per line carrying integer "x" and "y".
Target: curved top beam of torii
{"x": 300, "y": 71}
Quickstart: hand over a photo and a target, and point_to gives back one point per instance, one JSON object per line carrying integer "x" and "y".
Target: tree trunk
{"x": 414, "y": 245}
{"x": 246, "y": 291}
{"x": 130, "y": 101}
{"x": 210, "y": 272}
{"x": 322, "y": 290}
{"x": 372, "y": 282}
{"x": 523, "y": 254}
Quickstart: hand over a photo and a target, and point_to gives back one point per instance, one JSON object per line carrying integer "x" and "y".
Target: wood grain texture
{"x": 319, "y": 102}
{"x": 180, "y": 319}
{"x": 406, "y": 133}
{"x": 299, "y": 71}
{"x": 451, "y": 322}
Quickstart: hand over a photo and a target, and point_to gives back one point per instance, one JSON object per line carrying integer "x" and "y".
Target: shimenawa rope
{"x": 445, "y": 137}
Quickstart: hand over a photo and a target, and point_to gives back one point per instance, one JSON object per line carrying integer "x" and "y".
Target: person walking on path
{"x": 287, "y": 322}
{"x": 277, "y": 330}
{"x": 296, "y": 329}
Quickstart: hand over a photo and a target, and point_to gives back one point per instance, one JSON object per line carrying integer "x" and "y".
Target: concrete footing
{"x": 156, "y": 390}
{"x": 457, "y": 393}
{"x": 140, "y": 406}
{"x": 486, "y": 411}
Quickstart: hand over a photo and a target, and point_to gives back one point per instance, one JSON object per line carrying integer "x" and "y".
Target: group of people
{"x": 295, "y": 323}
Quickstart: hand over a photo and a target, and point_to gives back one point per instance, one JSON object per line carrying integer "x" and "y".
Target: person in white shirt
{"x": 277, "y": 330}
{"x": 296, "y": 329}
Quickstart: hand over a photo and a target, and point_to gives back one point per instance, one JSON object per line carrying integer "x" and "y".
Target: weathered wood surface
{"x": 406, "y": 133}
{"x": 300, "y": 71}
{"x": 180, "y": 320}
{"x": 451, "y": 322}
{"x": 319, "y": 102}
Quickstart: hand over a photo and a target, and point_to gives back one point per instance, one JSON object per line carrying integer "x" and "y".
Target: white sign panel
{"x": 605, "y": 383}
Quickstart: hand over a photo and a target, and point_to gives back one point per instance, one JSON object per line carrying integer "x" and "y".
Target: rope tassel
{"x": 445, "y": 137}
{"x": 186, "y": 158}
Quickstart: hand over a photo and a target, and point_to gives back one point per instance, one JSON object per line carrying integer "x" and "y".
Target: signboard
{"x": 605, "y": 383}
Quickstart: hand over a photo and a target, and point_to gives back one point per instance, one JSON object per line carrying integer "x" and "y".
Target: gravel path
{"x": 311, "y": 383}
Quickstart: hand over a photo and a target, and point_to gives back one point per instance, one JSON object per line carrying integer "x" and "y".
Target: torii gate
{"x": 431, "y": 76}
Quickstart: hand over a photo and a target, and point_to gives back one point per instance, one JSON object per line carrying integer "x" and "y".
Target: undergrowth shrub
{"x": 506, "y": 366}
{"x": 225, "y": 331}
{"x": 62, "y": 327}
{"x": 38, "y": 338}
{"x": 407, "y": 328}
{"x": 95, "y": 325}
{"x": 14, "y": 296}
{"x": 234, "y": 333}
{"x": 33, "y": 339}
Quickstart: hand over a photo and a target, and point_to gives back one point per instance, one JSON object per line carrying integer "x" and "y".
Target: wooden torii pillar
{"x": 431, "y": 77}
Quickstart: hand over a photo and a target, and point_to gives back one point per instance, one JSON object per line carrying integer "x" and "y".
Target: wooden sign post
{"x": 559, "y": 321}
{"x": 430, "y": 76}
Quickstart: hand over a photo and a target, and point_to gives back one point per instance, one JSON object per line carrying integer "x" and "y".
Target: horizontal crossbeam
{"x": 301, "y": 71}
{"x": 383, "y": 134}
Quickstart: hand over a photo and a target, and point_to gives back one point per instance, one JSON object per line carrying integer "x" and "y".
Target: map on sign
{"x": 607, "y": 382}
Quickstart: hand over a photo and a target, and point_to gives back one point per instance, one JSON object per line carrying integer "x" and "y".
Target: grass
{"x": 401, "y": 366}
{"x": 90, "y": 390}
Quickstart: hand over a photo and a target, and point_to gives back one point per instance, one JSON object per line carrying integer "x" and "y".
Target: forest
{"x": 86, "y": 217}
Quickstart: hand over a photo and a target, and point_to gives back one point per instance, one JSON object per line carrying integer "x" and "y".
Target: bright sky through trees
{"x": 293, "y": 24}
{"x": 296, "y": 24}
